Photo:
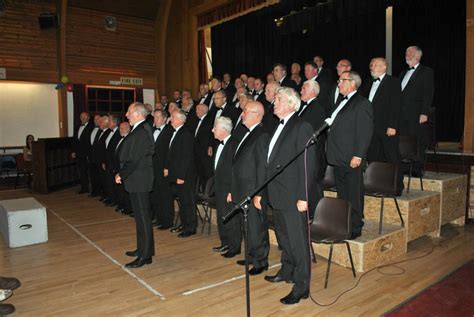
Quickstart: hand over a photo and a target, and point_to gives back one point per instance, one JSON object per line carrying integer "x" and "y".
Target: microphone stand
{"x": 244, "y": 206}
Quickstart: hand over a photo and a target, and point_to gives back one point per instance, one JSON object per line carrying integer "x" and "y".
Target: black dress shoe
{"x": 6, "y": 309}
{"x": 258, "y": 270}
{"x": 277, "y": 279}
{"x": 186, "y": 234}
{"x": 230, "y": 254}
{"x": 82, "y": 192}
{"x": 164, "y": 227}
{"x": 222, "y": 248}
{"x": 293, "y": 298}
{"x": 177, "y": 229}
{"x": 241, "y": 262}
{"x": 131, "y": 253}
{"x": 10, "y": 283}
{"x": 138, "y": 262}
{"x": 355, "y": 234}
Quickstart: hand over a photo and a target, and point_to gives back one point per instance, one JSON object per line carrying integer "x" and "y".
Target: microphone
{"x": 323, "y": 127}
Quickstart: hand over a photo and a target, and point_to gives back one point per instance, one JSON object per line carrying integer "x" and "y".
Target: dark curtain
{"x": 226, "y": 11}
{"x": 202, "y": 58}
{"x": 80, "y": 102}
{"x": 139, "y": 94}
{"x": 439, "y": 29}
{"x": 253, "y": 43}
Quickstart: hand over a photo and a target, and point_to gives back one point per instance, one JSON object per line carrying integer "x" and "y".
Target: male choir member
{"x": 180, "y": 172}
{"x": 348, "y": 140}
{"x": 280, "y": 74}
{"x": 136, "y": 173}
{"x": 110, "y": 146}
{"x": 248, "y": 172}
{"x": 287, "y": 193}
{"x": 81, "y": 148}
{"x": 123, "y": 199}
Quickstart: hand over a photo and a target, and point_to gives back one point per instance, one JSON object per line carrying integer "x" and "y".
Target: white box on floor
{"x": 23, "y": 222}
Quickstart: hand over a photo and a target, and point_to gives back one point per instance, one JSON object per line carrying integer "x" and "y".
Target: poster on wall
{"x": 3, "y": 73}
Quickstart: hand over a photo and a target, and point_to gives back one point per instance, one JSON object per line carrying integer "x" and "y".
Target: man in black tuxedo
{"x": 311, "y": 73}
{"x": 417, "y": 97}
{"x": 216, "y": 85}
{"x": 248, "y": 172}
{"x": 270, "y": 121}
{"x": 224, "y": 108}
{"x": 287, "y": 193}
{"x": 259, "y": 93}
{"x": 97, "y": 157}
{"x": 240, "y": 129}
{"x": 344, "y": 65}
{"x": 230, "y": 232}
{"x": 384, "y": 92}
{"x": 136, "y": 173}
{"x": 94, "y": 177}
{"x": 81, "y": 149}
{"x": 227, "y": 85}
{"x": 313, "y": 112}
{"x": 280, "y": 74}
{"x": 110, "y": 147}
{"x": 350, "y": 132}
{"x": 325, "y": 75}
{"x": 161, "y": 214}
{"x": 180, "y": 172}
{"x": 202, "y": 140}
{"x": 123, "y": 199}
{"x": 204, "y": 95}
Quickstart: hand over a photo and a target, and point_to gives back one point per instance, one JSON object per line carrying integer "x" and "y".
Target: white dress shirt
{"x": 174, "y": 134}
{"x": 375, "y": 86}
{"x": 219, "y": 151}
{"x": 109, "y": 137}
{"x": 408, "y": 75}
{"x": 81, "y": 129}
{"x": 277, "y": 133}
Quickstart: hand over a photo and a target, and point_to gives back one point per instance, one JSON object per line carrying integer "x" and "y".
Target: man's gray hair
{"x": 355, "y": 77}
{"x": 417, "y": 49}
{"x": 293, "y": 97}
{"x": 181, "y": 114}
{"x": 313, "y": 85}
{"x": 225, "y": 123}
{"x": 163, "y": 113}
{"x": 140, "y": 108}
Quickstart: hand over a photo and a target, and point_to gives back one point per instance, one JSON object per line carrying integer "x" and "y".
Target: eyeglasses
{"x": 344, "y": 79}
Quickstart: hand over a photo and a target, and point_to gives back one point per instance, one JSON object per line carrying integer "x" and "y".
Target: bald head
{"x": 252, "y": 114}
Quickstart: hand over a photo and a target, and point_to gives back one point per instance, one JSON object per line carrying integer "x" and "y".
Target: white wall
{"x": 70, "y": 113}
{"x": 149, "y": 96}
{"x": 27, "y": 108}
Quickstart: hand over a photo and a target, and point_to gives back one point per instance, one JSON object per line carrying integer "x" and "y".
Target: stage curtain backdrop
{"x": 253, "y": 43}
{"x": 439, "y": 29}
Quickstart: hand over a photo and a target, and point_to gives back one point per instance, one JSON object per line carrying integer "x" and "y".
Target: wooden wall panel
{"x": 96, "y": 56}
{"x": 28, "y": 53}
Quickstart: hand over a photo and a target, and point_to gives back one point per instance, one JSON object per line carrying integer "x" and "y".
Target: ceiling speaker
{"x": 110, "y": 23}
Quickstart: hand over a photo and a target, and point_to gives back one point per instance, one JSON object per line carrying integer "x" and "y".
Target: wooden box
{"x": 452, "y": 188}
{"x": 369, "y": 250}
{"x": 419, "y": 209}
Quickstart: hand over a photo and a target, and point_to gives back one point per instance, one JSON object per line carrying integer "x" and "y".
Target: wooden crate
{"x": 452, "y": 188}
{"x": 419, "y": 209}
{"x": 369, "y": 250}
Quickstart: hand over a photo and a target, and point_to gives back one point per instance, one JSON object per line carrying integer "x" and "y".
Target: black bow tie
{"x": 376, "y": 79}
{"x": 221, "y": 142}
{"x": 155, "y": 129}
{"x": 411, "y": 68}
{"x": 83, "y": 125}
{"x": 282, "y": 121}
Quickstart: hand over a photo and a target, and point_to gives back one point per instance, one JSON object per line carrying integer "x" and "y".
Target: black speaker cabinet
{"x": 48, "y": 21}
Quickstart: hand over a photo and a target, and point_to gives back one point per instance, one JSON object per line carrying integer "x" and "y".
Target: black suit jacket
{"x": 287, "y": 82}
{"x": 223, "y": 170}
{"x": 326, "y": 76}
{"x": 315, "y": 114}
{"x": 202, "y": 140}
{"x": 248, "y": 164}
{"x": 269, "y": 121}
{"x": 206, "y": 101}
{"x": 82, "y": 145}
{"x": 385, "y": 104}
{"x": 110, "y": 150}
{"x": 417, "y": 98}
{"x": 180, "y": 158}
{"x": 161, "y": 151}
{"x": 351, "y": 132}
{"x": 230, "y": 111}
{"x": 98, "y": 148}
{"x": 289, "y": 186}
{"x": 136, "y": 169}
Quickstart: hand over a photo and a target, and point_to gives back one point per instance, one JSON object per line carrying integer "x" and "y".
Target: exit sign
{"x": 131, "y": 81}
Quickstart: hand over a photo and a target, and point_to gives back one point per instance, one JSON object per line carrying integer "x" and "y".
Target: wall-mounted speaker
{"x": 48, "y": 21}
{"x": 110, "y": 23}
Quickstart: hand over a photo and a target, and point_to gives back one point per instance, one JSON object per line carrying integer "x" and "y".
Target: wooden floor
{"x": 79, "y": 272}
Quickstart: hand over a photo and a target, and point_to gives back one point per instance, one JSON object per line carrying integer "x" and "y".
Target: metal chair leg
{"x": 209, "y": 218}
{"x": 350, "y": 258}
{"x": 398, "y": 210}
{"x": 409, "y": 178}
{"x": 312, "y": 253}
{"x": 329, "y": 267}
{"x": 381, "y": 216}
{"x": 421, "y": 181}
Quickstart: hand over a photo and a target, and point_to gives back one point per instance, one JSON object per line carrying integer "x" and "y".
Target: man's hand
{"x": 180, "y": 181}
{"x": 73, "y": 155}
{"x": 103, "y": 166}
{"x": 257, "y": 202}
{"x": 229, "y": 197}
{"x": 355, "y": 162}
{"x": 118, "y": 179}
{"x": 209, "y": 151}
{"x": 165, "y": 172}
{"x": 391, "y": 131}
{"x": 423, "y": 118}
{"x": 302, "y": 205}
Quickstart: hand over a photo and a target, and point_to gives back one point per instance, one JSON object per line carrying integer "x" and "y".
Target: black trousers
{"x": 83, "y": 173}
{"x": 230, "y": 233}
{"x": 123, "y": 198}
{"x": 350, "y": 186}
{"x": 187, "y": 211}
{"x": 291, "y": 229}
{"x": 258, "y": 241}
{"x": 94, "y": 172}
{"x": 141, "y": 209}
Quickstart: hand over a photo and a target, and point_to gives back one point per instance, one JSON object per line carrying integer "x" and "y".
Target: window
{"x": 104, "y": 100}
